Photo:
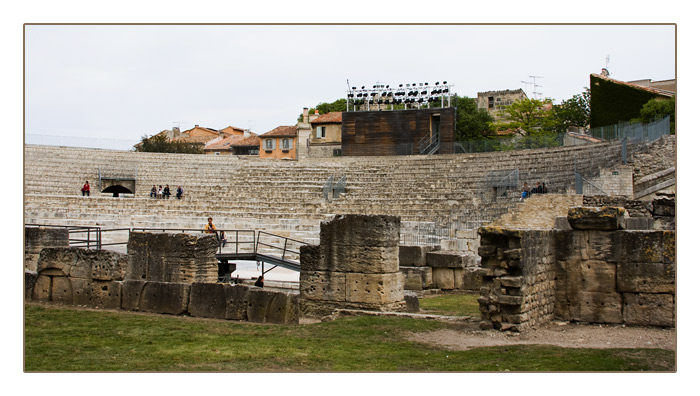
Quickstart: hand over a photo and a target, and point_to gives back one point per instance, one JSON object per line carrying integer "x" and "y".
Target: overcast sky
{"x": 126, "y": 81}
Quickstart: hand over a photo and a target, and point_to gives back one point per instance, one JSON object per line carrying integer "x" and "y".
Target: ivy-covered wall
{"x": 612, "y": 102}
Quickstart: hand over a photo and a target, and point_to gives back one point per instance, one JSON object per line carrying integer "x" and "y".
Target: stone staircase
{"x": 285, "y": 197}
{"x": 538, "y": 212}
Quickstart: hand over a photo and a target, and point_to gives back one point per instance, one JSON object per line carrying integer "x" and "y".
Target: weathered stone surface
{"x": 417, "y": 278}
{"x": 444, "y": 278}
{"x": 638, "y": 223}
{"x": 605, "y": 218}
{"x": 132, "y": 290}
{"x": 472, "y": 279}
{"x": 445, "y": 259}
{"x": 84, "y": 263}
{"x": 360, "y": 230}
{"x": 601, "y": 245}
{"x": 272, "y": 307}
{"x": 30, "y": 278}
{"x": 601, "y": 307}
{"x": 322, "y": 285}
{"x": 309, "y": 258}
{"x": 105, "y": 294}
{"x": 374, "y": 288}
{"x": 165, "y": 298}
{"x": 640, "y": 246}
{"x": 42, "y": 288}
{"x": 38, "y": 238}
{"x": 414, "y": 256}
{"x": 412, "y": 302}
{"x": 208, "y": 300}
{"x": 646, "y": 277}
{"x": 61, "y": 290}
{"x": 668, "y": 251}
{"x": 236, "y": 302}
{"x": 598, "y": 276}
{"x": 648, "y": 309}
{"x": 177, "y": 258}
{"x": 361, "y": 259}
{"x": 82, "y": 292}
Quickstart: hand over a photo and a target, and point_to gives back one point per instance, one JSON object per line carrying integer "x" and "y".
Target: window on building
{"x": 286, "y": 144}
{"x": 490, "y": 102}
{"x": 320, "y": 132}
{"x": 269, "y": 144}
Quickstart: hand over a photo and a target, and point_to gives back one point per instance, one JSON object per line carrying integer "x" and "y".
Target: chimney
{"x": 305, "y": 117}
{"x": 315, "y": 116}
{"x": 246, "y": 132}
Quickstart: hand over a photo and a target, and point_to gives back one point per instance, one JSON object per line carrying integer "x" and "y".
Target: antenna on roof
{"x": 534, "y": 83}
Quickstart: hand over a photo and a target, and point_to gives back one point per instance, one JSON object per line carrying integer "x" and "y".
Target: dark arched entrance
{"x": 116, "y": 190}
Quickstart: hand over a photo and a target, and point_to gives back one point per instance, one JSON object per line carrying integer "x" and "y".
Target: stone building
{"x": 326, "y": 135}
{"x": 495, "y": 101}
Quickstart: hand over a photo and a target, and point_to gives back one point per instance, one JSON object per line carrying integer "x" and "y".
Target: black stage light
{"x": 400, "y": 85}
{"x": 437, "y": 83}
{"x": 363, "y": 87}
{"x": 354, "y": 88}
{"x": 444, "y": 82}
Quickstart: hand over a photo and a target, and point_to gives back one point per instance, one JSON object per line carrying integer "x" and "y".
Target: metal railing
{"x": 635, "y": 132}
{"x": 429, "y": 144}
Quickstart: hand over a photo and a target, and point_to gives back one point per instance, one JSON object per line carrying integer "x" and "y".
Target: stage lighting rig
{"x": 414, "y": 95}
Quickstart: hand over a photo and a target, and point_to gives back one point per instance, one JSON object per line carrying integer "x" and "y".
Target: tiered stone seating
{"x": 285, "y": 197}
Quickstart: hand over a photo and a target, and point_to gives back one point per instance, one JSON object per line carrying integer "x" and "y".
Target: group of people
{"x": 527, "y": 192}
{"x": 161, "y": 192}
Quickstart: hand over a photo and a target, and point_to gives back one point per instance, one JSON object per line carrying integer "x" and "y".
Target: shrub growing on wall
{"x": 612, "y": 102}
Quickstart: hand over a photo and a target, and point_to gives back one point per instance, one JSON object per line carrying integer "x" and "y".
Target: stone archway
{"x": 117, "y": 189}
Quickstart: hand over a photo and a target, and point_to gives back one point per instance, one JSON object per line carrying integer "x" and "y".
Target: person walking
{"x": 86, "y": 189}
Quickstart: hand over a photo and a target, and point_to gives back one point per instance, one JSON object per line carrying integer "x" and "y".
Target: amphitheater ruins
{"x": 364, "y": 233}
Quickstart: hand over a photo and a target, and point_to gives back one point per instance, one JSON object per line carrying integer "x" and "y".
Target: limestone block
{"x": 132, "y": 290}
{"x": 105, "y": 294}
{"x": 272, "y": 307}
{"x": 638, "y": 223}
{"x": 309, "y": 258}
{"x": 598, "y": 276}
{"x": 42, "y": 288}
{"x": 63, "y": 260}
{"x": 374, "y": 288}
{"x": 445, "y": 259}
{"x": 208, "y": 300}
{"x": 82, "y": 291}
{"x": 444, "y": 278}
{"x": 361, "y": 230}
{"x": 322, "y": 285}
{"x": 108, "y": 265}
{"x": 601, "y": 307}
{"x": 649, "y": 309}
{"x": 412, "y": 302}
{"x": 165, "y": 298}
{"x": 601, "y": 245}
{"x": 414, "y": 256}
{"x": 30, "y": 278}
{"x": 646, "y": 277}
{"x": 236, "y": 302}
{"x": 61, "y": 290}
{"x": 37, "y": 238}
{"x": 361, "y": 259}
{"x": 669, "y": 247}
{"x": 459, "y": 278}
{"x": 561, "y": 223}
{"x": 639, "y": 246}
{"x": 417, "y": 278}
{"x": 606, "y": 218}
{"x": 472, "y": 280}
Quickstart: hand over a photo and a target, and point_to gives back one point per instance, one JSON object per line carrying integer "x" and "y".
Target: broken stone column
{"x": 176, "y": 258}
{"x": 355, "y": 266}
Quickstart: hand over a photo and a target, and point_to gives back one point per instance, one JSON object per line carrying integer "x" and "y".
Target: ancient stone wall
{"x": 595, "y": 272}
{"x": 37, "y": 238}
{"x": 164, "y": 274}
{"x": 356, "y": 265}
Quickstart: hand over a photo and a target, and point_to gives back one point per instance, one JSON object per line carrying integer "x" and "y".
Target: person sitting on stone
{"x": 260, "y": 282}
{"x": 153, "y": 191}
{"x": 160, "y": 192}
{"x": 166, "y": 191}
{"x": 210, "y": 228}
{"x": 179, "y": 192}
{"x": 86, "y": 189}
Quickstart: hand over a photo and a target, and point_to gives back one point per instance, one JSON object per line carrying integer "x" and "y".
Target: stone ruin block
{"x": 131, "y": 294}
{"x": 30, "y": 278}
{"x": 165, "y": 298}
{"x": 361, "y": 230}
{"x": 412, "y": 301}
{"x": 236, "y": 302}
{"x": 42, "y": 288}
{"x": 374, "y": 288}
{"x": 417, "y": 278}
{"x": 598, "y": 276}
{"x": 360, "y": 259}
{"x": 414, "y": 256}
{"x": 643, "y": 309}
{"x": 38, "y": 238}
{"x": 208, "y": 300}
{"x": 61, "y": 290}
{"x": 444, "y": 278}
{"x": 645, "y": 246}
{"x": 635, "y": 277}
{"x": 605, "y": 218}
{"x": 600, "y": 307}
{"x": 81, "y": 263}
{"x": 445, "y": 259}
{"x": 177, "y": 258}
{"x": 323, "y": 285}
{"x": 105, "y": 294}
{"x": 272, "y": 307}
{"x": 472, "y": 279}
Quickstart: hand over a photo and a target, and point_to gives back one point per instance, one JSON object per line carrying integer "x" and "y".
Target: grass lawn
{"x": 69, "y": 339}
{"x": 451, "y": 304}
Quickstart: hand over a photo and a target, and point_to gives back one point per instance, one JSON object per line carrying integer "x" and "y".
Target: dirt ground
{"x": 562, "y": 334}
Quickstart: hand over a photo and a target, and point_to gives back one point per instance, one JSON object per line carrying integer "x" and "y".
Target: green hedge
{"x": 612, "y": 102}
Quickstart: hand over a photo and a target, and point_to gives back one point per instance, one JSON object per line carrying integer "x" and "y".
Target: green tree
{"x": 531, "y": 115}
{"x": 574, "y": 112}
{"x": 324, "y": 108}
{"x": 659, "y": 108}
{"x": 472, "y": 123}
{"x": 160, "y": 144}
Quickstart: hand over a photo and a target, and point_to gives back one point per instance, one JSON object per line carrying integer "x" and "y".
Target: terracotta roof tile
{"x": 282, "y": 131}
{"x": 333, "y": 116}
{"x": 659, "y": 92}
{"x": 234, "y": 141}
